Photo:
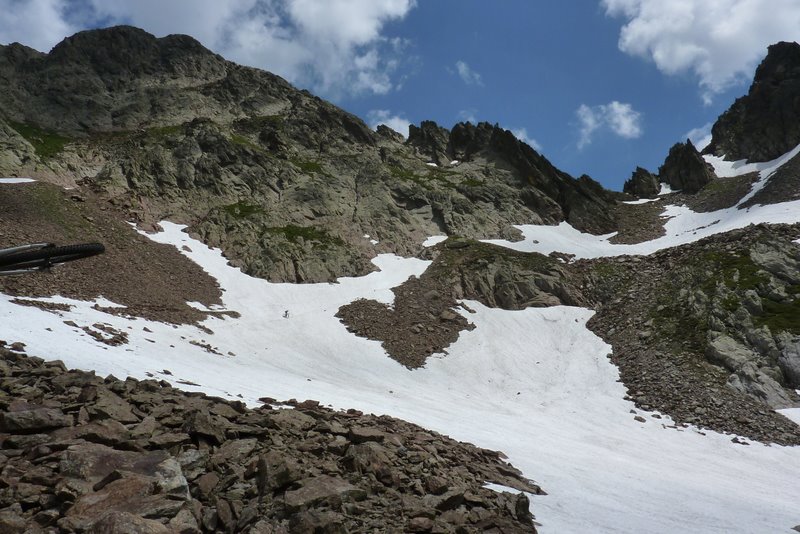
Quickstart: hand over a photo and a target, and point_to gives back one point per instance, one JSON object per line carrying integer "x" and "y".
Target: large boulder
{"x": 685, "y": 169}
{"x": 642, "y": 184}
{"x": 765, "y": 123}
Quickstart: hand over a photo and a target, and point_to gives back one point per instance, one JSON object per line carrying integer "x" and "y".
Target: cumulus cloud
{"x": 719, "y": 41}
{"x": 36, "y": 23}
{"x": 700, "y": 137}
{"x": 467, "y": 75}
{"x": 396, "y": 122}
{"x": 618, "y": 117}
{"x": 522, "y": 135}
{"x": 331, "y": 45}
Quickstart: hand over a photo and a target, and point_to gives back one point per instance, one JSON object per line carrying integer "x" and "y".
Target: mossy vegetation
{"x": 254, "y": 124}
{"x": 726, "y": 276}
{"x": 162, "y": 132}
{"x": 242, "y": 210}
{"x": 245, "y": 142}
{"x": 736, "y": 271}
{"x": 45, "y": 143}
{"x": 433, "y": 175}
{"x": 307, "y": 166}
{"x": 780, "y": 316}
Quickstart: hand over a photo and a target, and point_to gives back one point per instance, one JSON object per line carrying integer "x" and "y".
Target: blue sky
{"x": 598, "y": 86}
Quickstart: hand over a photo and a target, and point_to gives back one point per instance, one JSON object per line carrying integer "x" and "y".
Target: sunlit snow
{"x": 16, "y": 180}
{"x": 535, "y": 383}
{"x": 433, "y": 240}
{"x": 683, "y": 225}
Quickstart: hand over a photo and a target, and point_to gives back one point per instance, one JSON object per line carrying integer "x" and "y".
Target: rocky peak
{"x": 685, "y": 169}
{"x": 430, "y": 140}
{"x": 128, "y": 52}
{"x": 782, "y": 63}
{"x": 642, "y": 184}
{"x": 467, "y": 139}
{"x": 765, "y": 123}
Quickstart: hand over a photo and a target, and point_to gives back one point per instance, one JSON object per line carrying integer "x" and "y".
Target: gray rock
{"x": 201, "y": 424}
{"x": 728, "y": 352}
{"x": 109, "y": 405}
{"x": 778, "y": 260}
{"x": 326, "y": 489}
{"x": 126, "y": 523}
{"x": 277, "y": 470}
{"x": 789, "y": 359}
{"x": 751, "y": 380}
{"x": 34, "y": 420}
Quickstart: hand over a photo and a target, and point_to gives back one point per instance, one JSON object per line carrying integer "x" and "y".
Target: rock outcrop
{"x": 79, "y": 453}
{"x": 765, "y": 123}
{"x": 642, "y": 184}
{"x": 685, "y": 169}
{"x": 706, "y": 332}
{"x": 424, "y": 317}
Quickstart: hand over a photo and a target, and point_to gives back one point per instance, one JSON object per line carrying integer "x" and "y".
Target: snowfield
{"x": 536, "y": 384}
{"x": 683, "y": 225}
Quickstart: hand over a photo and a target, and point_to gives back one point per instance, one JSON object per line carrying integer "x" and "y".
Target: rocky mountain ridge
{"x": 762, "y": 125}
{"x": 295, "y": 189}
{"x": 178, "y": 132}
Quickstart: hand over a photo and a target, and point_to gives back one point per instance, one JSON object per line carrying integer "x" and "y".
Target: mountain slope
{"x": 500, "y": 347}
{"x": 168, "y": 129}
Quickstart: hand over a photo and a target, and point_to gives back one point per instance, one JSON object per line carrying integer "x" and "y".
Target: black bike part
{"x": 47, "y": 256}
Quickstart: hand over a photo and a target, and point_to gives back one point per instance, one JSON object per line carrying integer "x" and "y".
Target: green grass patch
{"x": 307, "y": 166}
{"x": 780, "y": 316}
{"x": 244, "y": 141}
{"x": 731, "y": 302}
{"x": 402, "y": 174}
{"x": 165, "y": 131}
{"x": 45, "y": 143}
{"x": 242, "y": 210}
{"x": 737, "y": 271}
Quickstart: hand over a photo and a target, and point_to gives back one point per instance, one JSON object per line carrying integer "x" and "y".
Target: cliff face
{"x": 765, "y": 123}
{"x": 286, "y": 183}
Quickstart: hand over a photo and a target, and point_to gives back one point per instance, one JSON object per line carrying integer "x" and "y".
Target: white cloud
{"x": 468, "y": 115}
{"x": 522, "y": 135}
{"x": 467, "y": 75}
{"x": 397, "y": 122}
{"x": 618, "y": 117}
{"x": 333, "y": 46}
{"x": 700, "y": 137}
{"x": 719, "y": 41}
{"x": 36, "y": 23}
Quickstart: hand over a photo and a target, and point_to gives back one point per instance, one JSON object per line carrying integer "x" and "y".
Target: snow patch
{"x": 791, "y": 413}
{"x": 16, "y": 180}
{"x": 640, "y": 201}
{"x": 434, "y": 240}
{"x": 684, "y": 225}
{"x": 666, "y": 190}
